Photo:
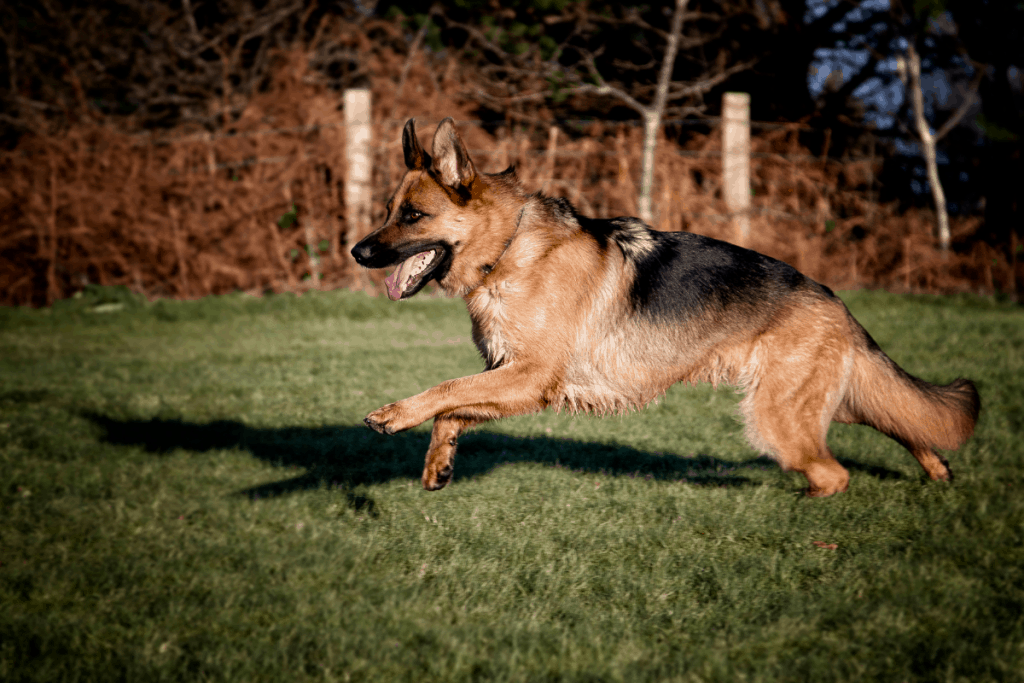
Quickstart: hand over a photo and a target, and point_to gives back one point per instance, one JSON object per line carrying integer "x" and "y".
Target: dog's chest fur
{"x": 595, "y": 378}
{"x": 492, "y": 331}
{"x": 498, "y": 304}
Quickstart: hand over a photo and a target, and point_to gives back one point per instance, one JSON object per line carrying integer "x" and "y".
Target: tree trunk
{"x": 652, "y": 115}
{"x": 928, "y": 140}
{"x": 652, "y": 122}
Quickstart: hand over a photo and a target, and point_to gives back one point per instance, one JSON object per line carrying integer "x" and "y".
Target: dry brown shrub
{"x": 183, "y": 217}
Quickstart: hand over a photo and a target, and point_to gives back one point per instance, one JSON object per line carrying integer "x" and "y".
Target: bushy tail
{"x": 918, "y": 414}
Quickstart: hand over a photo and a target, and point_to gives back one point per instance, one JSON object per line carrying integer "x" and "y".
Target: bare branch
{"x": 191, "y": 19}
{"x": 705, "y": 85}
{"x": 413, "y": 49}
{"x": 609, "y": 91}
{"x": 961, "y": 111}
{"x": 684, "y": 111}
{"x": 633, "y": 18}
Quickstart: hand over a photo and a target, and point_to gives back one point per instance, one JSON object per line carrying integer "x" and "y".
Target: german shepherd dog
{"x": 605, "y": 315}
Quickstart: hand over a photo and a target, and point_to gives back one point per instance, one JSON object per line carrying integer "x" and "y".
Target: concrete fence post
{"x": 736, "y": 162}
{"x": 358, "y": 176}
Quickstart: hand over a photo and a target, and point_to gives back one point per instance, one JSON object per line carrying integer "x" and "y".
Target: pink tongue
{"x": 399, "y": 280}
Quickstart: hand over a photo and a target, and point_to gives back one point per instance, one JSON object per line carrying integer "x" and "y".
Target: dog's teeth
{"x": 417, "y": 265}
{"x": 421, "y": 263}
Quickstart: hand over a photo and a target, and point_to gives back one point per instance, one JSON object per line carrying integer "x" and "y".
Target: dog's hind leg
{"x": 440, "y": 462}
{"x": 935, "y": 466}
{"x": 798, "y": 384}
{"x": 791, "y": 432}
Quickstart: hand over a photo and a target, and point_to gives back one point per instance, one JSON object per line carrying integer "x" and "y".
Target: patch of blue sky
{"x": 816, "y": 9}
{"x": 847, "y": 59}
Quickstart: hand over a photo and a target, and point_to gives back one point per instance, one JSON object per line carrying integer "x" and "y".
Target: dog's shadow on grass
{"x": 353, "y": 456}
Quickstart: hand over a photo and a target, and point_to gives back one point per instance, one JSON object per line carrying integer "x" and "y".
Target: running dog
{"x": 605, "y": 315}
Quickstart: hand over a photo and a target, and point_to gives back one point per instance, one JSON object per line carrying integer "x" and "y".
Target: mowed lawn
{"x": 187, "y": 493}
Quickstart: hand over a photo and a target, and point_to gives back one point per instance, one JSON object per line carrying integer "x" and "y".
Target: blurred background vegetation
{"x": 227, "y": 67}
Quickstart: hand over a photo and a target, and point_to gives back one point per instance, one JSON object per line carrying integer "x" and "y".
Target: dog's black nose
{"x": 363, "y": 252}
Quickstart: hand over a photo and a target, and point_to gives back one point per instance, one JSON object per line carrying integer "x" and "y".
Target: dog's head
{"x": 430, "y": 218}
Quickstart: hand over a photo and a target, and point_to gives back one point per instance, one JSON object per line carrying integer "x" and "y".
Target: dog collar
{"x": 519, "y": 219}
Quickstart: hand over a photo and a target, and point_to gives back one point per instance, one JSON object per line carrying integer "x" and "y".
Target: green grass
{"x": 187, "y": 493}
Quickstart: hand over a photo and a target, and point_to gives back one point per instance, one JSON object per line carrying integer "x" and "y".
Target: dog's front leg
{"x": 440, "y": 463}
{"x": 512, "y": 389}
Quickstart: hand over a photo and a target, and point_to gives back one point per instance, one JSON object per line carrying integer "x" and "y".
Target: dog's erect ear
{"x": 451, "y": 158}
{"x": 415, "y": 158}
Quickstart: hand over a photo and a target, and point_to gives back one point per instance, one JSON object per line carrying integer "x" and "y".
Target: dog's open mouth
{"x": 411, "y": 273}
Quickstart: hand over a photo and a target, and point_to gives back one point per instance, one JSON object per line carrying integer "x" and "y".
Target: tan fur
{"x": 552, "y": 318}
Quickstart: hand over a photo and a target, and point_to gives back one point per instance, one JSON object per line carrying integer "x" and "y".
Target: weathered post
{"x": 736, "y": 162}
{"x": 549, "y": 175}
{"x": 358, "y": 176}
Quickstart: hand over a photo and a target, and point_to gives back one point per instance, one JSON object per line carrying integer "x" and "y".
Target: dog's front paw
{"x": 437, "y": 480}
{"x": 386, "y": 420}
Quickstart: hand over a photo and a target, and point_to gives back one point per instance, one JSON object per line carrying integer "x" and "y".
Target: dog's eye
{"x": 411, "y": 215}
